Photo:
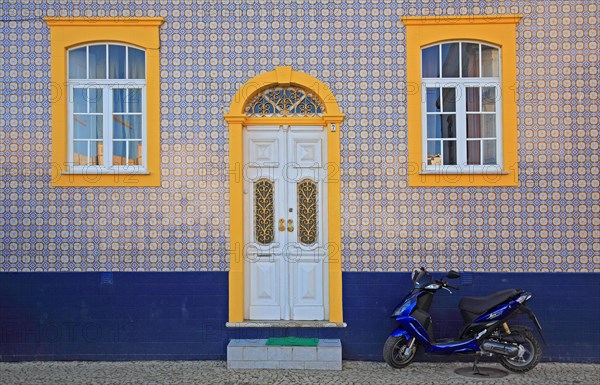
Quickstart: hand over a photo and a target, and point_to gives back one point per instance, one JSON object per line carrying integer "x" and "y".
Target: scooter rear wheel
{"x": 396, "y": 353}
{"x": 531, "y": 352}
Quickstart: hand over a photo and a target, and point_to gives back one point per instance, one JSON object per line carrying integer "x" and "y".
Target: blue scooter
{"x": 486, "y": 331}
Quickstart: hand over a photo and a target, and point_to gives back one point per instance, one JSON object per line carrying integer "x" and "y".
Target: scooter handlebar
{"x": 446, "y": 284}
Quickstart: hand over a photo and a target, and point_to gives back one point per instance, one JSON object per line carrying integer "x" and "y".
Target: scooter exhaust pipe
{"x": 500, "y": 348}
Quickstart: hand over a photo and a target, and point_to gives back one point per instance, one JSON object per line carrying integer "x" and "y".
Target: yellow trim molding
{"x": 499, "y": 30}
{"x": 66, "y": 33}
{"x": 237, "y": 120}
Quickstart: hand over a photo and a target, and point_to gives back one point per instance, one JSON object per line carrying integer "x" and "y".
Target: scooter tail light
{"x": 524, "y": 298}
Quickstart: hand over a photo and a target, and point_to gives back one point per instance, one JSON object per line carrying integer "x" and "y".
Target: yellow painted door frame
{"x": 237, "y": 120}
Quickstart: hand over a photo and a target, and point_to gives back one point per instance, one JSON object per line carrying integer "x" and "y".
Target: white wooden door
{"x": 285, "y": 223}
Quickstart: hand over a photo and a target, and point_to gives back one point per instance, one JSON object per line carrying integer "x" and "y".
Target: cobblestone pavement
{"x": 216, "y": 372}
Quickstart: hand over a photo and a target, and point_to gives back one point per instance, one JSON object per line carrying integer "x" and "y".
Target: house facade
{"x": 176, "y": 174}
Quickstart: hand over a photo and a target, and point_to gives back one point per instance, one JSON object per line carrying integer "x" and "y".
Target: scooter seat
{"x": 478, "y": 305}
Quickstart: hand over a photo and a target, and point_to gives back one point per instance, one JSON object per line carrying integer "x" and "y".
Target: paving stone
{"x": 304, "y": 353}
{"x": 266, "y": 364}
{"x": 329, "y": 354}
{"x": 257, "y": 353}
{"x": 279, "y": 353}
{"x": 240, "y": 364}
{"x": 291, "y": 364}
{"x": 235, "y": 353}
{"x": 327, "y": 342}
{"x": 323, "y": 365}
{"x": 217, "y": 373}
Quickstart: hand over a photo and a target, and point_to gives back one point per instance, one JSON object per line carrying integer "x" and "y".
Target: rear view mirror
{"x": 453, "y": 274}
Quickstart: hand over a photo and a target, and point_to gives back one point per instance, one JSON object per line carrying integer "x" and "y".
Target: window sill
{"x": 285, "y": 324}
{"x": 463, "y": 172}
{"x": 105, "y": 172}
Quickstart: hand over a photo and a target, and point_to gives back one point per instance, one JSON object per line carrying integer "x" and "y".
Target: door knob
{"x": 281, "y": 224}
{"x": 290, "y": 225}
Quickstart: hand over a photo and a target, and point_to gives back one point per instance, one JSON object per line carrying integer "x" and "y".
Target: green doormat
{"x": 292, "y": 341}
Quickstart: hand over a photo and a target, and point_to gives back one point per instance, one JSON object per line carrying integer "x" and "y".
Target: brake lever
{"x": 445, "y": 288}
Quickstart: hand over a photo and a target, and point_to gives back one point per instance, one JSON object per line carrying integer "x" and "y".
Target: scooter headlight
{"x": 406, "y": 307}
{"x": 433, "y": 286}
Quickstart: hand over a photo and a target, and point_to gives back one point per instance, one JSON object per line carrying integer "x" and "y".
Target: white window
{"x": 461, "y": 108}
{"x": 106, "y": 109}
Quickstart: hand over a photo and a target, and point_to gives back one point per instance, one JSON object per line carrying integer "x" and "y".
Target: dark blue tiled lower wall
{"x": 171, "y": 316}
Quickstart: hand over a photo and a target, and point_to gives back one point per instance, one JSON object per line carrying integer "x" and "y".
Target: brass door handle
{"x": 282, "y": 224}
{"x": 290, "y": 226}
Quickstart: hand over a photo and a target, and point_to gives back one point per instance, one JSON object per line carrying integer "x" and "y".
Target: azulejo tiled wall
{"x": 551, "y": 222}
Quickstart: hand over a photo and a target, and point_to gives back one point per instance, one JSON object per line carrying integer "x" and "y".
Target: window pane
{"x": 473, "y": 152}
{"x": 81, "y": 126}
{"x": 490, "y": 61}
{"x": 481, "y": 126}
{"x": 87, "y": 126}
{"x": 472, "y": 99}
{"x": 433, "y": 99}
{"x": 450, "y": 60}
{"x": 135, "y": 153}
{"x": 116, "y": 62}
{"x": 80, "y": 98}
{"x": 489, "y": 98}
{"x": 488, "y": 123}
{"x": 449, "y": 98}
{"x": 119, "y": 153}
{"x": 136, "y": 64}
{"x": 119, "y": 95}
{"x": 441, "y": 126}
{"x": 95, "y": 96}
{"x": 134, "y": 100}
{"x": 449, "y": 152}
{"x": 434, "y": 153}
{"x": 470, "y": 60}
{"x": 77, "y": 63}
{"x": 96, "y": 127}
{"x": 489, "y": 152}
{"x": 434, "y": 126}
{"x": 95, "y": 153}
{"x": 97, "y": 61}
{"x": 473, "y": 126}
{"x": 127, "y": 127}
{"x": 135, "y": 126}
{"x": 448, "y": 126}
{"x": 430, "y": 60}
{"x": 80, "y": 156}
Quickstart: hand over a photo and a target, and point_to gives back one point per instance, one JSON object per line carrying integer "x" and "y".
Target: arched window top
{"x": 460, "y": 59}
{"x": 284, "y": 101}
{"x": 106, "y": 61}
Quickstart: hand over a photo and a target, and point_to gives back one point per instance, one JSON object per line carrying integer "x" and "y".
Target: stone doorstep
{"x": 255, "y": 354}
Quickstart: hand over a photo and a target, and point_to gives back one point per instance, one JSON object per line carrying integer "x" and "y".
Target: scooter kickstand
{"x": 476, "y": 371}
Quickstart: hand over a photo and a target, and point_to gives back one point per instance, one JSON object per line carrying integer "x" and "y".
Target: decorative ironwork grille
{"x": 307, "y": 211}
{"x": 264, "y": 221}
{"x": 285, "y": 101}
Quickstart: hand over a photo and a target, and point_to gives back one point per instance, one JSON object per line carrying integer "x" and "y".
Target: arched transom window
{"x": 284, "y": 101}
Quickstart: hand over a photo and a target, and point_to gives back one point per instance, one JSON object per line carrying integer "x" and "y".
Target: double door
{"x": 285, "y": 223}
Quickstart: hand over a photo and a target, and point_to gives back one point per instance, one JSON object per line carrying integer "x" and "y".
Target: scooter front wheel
{"x": 397, "y": 352}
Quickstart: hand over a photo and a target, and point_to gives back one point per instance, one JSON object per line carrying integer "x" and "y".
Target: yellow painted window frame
{"x": 237, "y": 120}
{"x": 66, "y": 33}
{"x": 499, "y": 30}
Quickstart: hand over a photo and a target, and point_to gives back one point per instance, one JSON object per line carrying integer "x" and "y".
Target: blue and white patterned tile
{"x": 209, "y": 49}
